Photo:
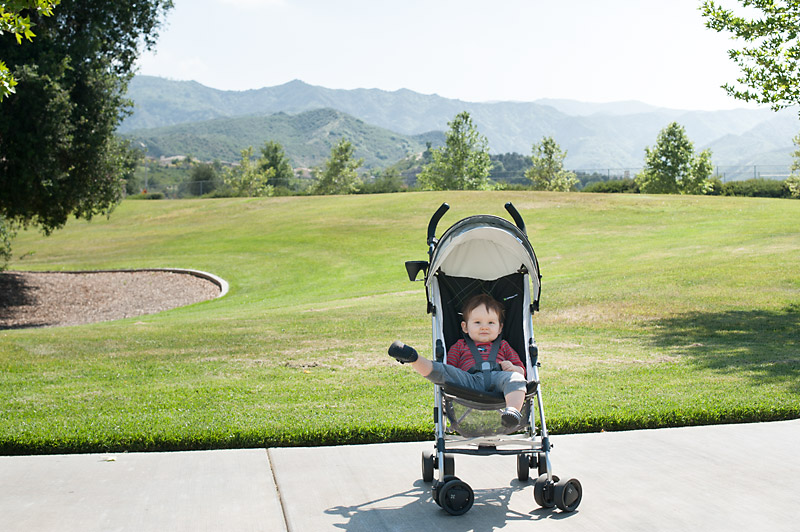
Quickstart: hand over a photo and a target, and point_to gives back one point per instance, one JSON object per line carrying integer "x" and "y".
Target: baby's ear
{"x": 464, "y": 326}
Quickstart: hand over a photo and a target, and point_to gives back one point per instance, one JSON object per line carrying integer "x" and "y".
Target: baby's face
{"x": 482, "y": 325}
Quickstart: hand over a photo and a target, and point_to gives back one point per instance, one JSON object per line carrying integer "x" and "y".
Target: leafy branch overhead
{"x": 769, "y": 55}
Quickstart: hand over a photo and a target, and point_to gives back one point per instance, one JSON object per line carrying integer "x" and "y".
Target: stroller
{"x": 486, "y": 254}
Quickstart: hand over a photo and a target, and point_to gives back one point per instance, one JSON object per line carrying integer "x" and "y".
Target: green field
{"x": 656, "y": 311}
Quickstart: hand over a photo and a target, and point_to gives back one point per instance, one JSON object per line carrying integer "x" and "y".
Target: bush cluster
{"x": 753, "y": 188}
{"x": 627, "y": 186}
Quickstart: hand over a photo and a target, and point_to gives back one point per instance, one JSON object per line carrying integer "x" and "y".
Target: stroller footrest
{"x": 476, "y": 396}
{"x": 480, "y": 396}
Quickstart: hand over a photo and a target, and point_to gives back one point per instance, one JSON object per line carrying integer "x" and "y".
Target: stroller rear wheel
{"x": 428, "y": 460}
{"x": 449, "y": 464}
{"x": 523, "y": 467}
{"x": 541, "y": 462}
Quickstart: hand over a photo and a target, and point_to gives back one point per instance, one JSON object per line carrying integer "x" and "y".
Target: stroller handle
{"x": 443, "y": 208}
{"x": 516, "y": 216}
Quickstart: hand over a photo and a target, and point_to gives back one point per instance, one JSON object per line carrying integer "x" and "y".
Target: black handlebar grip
{"x": 516, "y": 216}
{"x": 443, "y": 208}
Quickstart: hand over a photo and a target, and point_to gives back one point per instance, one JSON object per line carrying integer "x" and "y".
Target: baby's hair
{"x": 487, "y": 301}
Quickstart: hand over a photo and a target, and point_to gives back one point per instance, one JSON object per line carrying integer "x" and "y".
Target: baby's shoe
{"x": 402, "y": 353}
{"x": 510, "y": 417}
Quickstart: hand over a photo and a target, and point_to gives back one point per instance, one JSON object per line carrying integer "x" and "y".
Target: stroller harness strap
{"x": 484, "y": 366}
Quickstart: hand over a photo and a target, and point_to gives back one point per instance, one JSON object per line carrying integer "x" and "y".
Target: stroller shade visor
{"x": 484, "y": 247}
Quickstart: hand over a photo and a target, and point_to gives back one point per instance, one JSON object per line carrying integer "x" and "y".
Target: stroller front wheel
{"x": 544, "y": 491}
{"x": 568, "y": 494}
{"x": 456, "y": 497}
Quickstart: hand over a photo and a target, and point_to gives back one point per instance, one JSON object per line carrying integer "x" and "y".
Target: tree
{"x": 59, "y": 155}
{"x": 247, "y": 179}
{"x": 671, "y": 166}
{"x": 793, "y": 181}
{"x": 463, "y": 163}
{"x": 273, "y": 156}
{"x": 203, "y": 178}
{"x": 547, "y": 172}
{"x": 12, "y": 21}
{"x": 338, "y": 174}
{"x": 770, "y": 56}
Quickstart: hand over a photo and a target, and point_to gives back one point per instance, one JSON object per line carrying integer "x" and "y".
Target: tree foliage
{"x": 338, "y": 174}
{"x": 13, "y": 21}
{"x": 248, "y": 178}
{"x": 463, "y": 163}
{"x": 547, "y": 170}
{"x": 671, "y": 167}
{"x": 273, "y": 156}
{"x": 59, "y": 155}
{"x": 769, "y": 57}
{"x": 793, "y": 181}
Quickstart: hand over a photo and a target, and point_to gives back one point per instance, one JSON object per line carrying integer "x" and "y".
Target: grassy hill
{"x": 307, "y": 138}
{"x": 656, "y": 311}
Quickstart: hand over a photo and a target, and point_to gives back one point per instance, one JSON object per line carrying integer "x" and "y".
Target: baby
{"x": 482, "y": 324}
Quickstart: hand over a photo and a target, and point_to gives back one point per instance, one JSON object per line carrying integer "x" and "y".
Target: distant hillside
{"x": 306, "y": 137}
{"x": 611, "y": 135}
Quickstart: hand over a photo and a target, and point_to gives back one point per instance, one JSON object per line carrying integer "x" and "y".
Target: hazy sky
{"x": 655, "y": 51}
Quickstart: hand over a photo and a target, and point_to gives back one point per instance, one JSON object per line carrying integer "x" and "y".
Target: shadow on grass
{"x": 15, "y": 293}
{"x": 762, "y": 346}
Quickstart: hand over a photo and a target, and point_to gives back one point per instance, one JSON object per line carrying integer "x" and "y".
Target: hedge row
{"x": 760, "y": 188}
{"x": 309, "y": 437}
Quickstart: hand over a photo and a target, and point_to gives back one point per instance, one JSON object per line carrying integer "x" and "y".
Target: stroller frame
{"x": 445, "y": 293}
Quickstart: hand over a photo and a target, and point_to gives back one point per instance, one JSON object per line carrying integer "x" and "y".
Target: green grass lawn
{"x": 656, "y": 311}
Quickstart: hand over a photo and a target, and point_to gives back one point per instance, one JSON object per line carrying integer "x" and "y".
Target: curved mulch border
{"x": 48, "y": 299}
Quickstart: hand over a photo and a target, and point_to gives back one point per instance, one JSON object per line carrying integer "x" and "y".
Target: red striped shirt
{"x": 461, "y": 357}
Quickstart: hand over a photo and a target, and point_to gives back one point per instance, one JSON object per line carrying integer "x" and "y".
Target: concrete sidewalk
{"x": 718, "y": 478}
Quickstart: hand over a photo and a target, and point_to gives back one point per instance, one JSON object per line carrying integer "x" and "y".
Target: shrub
{"x": 617, "y": 186}
{"x": 792, "y": 186}
{"x": 713, "y": 187}
{"x": 148, "y": 195}
{"x": 755, "y": 188}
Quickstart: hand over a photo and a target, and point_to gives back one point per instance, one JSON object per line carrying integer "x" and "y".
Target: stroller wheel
{"x": 523, "y": 467}
{"x": 437, "y": 487}
{"x": 427, "y": 466}
{"x": 544, "y": 491}
{"x": 456, "y": 497}
{"x": 449, "y": 464}
{"x": 568, "y": 494}
{"x": 541, "y": 462}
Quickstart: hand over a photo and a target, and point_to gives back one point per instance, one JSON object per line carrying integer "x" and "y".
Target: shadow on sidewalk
{"x": 414, "y": 509}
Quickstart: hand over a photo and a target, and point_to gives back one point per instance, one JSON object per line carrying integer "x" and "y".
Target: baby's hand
{"x": 507, "y": 365}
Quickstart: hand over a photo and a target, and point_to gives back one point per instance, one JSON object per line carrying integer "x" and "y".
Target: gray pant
{"x": 501, "y": 381}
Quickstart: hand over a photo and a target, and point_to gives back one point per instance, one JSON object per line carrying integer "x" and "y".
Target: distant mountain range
{"x": 180, "y": 117}
{"x": 306, "y": 137}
